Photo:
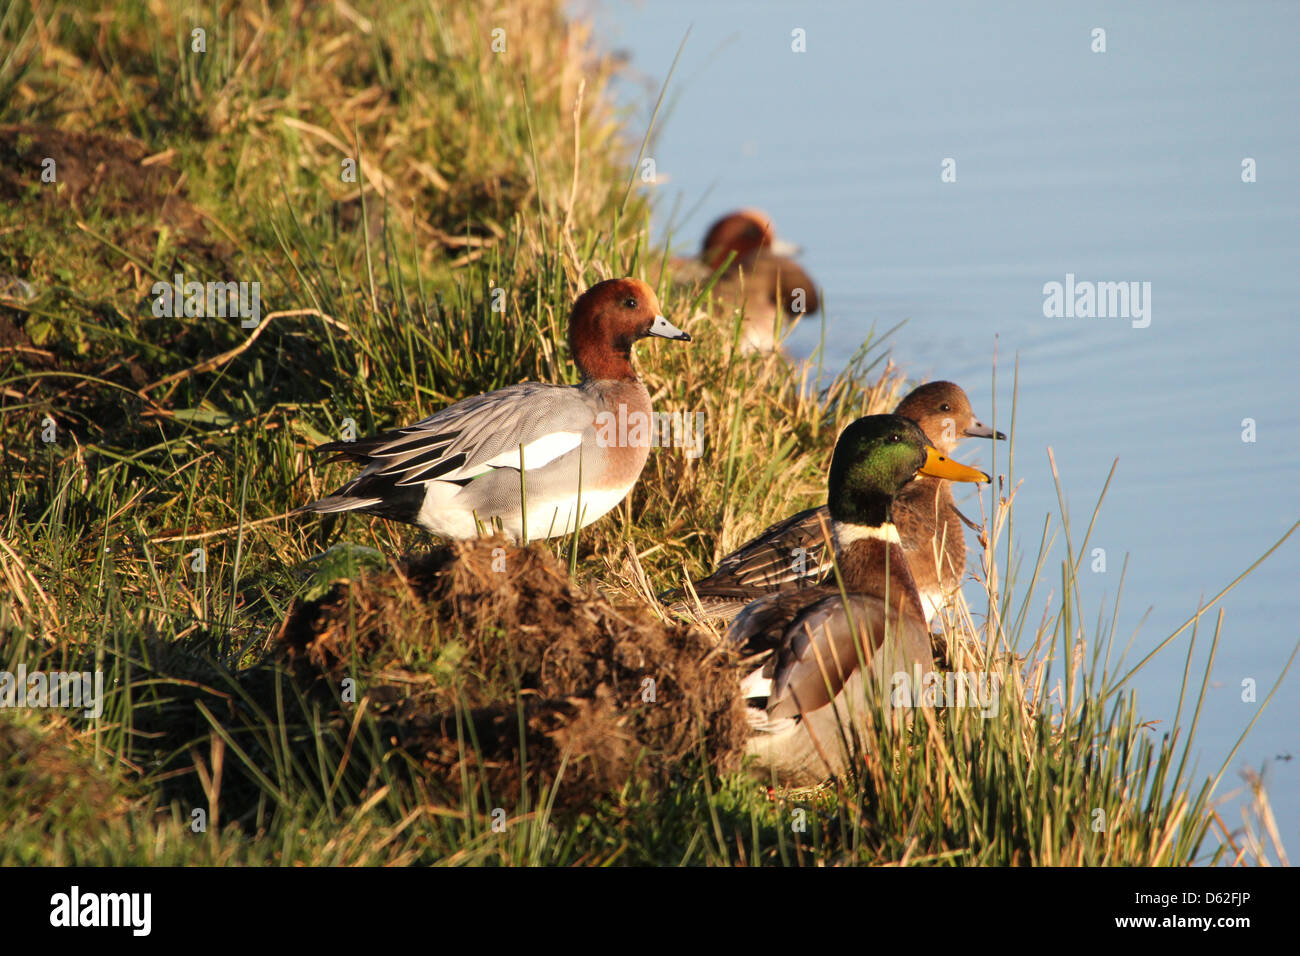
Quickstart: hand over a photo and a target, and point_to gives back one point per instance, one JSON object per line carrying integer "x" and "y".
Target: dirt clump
{"x": 100, "y": 169}
{"x": 483, "y": 657}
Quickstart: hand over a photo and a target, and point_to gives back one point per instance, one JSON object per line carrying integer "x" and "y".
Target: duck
{"x": 762, "y": 277}
{"x": 792, "y": 553}
{"x": 817, "y": 656}
{"x": 580, "y": 447}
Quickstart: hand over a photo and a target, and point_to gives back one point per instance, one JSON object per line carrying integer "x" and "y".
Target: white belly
{"x": 442, "y": 513}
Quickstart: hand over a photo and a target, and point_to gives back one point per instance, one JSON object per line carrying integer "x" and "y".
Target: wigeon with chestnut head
{"x": 792, "y": 554}
{"x": 761, "y": 278}
{"x": 460, "y": 468}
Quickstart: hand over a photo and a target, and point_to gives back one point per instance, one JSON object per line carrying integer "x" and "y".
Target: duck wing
{"x": 474, "y": 436}
{"x": 770, "y": 562}
{"x": 830, "y": 640}
{"x": 787, "y": 552}
{"x": 762, "y": 626}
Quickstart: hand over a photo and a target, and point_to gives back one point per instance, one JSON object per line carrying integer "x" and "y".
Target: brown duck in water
{"x": 762, "y": 278}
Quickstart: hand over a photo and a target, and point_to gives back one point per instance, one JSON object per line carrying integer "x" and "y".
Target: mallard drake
{"x": 460, "y": 467}
{"x": 792, "y": 553}
{"x": 821, "y": 651}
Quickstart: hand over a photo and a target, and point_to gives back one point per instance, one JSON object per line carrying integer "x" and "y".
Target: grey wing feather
{"x": 464, "y": 437}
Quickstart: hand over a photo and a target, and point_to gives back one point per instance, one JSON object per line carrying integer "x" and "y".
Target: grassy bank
{"x": 419, "y": 210}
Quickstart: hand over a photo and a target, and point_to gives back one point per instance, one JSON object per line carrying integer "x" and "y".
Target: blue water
{"x": 1115, "y": 166}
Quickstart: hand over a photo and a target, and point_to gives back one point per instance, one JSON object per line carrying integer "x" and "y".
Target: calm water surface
{"x": 1117, "y": 166}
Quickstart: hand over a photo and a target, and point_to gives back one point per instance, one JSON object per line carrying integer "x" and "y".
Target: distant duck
{"x": 792, "y": 553}
{"x": 762, "y": 277}
{"x": 460, "y": 467}
{"x": 808, "y": 696}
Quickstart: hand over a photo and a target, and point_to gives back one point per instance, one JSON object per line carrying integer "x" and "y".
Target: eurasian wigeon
{"x": 808, "y": 697}
{"x": 762, "y": 277}
{"x": 928, "y": 521}
{"x": 460, "y": 467}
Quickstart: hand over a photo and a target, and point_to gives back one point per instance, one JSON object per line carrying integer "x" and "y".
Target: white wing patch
{"x": 756, "y": 685}
{"x": 537, "y": 453}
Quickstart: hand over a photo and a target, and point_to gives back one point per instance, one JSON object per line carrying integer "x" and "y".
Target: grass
{"x": 153, "y": 537}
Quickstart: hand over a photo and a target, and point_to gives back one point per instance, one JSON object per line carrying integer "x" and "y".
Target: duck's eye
{"x": 629, "y": 303}
{"x": 895, "y": 437}
{"x": 945, "y": 407}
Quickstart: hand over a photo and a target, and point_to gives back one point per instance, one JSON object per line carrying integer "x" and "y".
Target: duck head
{"x": 607, "y": 320}
{"x": 943, "y": 411}
{"x": 874, "y": 459}
{"x": 745, "y": 232}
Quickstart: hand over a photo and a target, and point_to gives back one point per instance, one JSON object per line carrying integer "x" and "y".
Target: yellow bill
{"x": 938, "y": 466}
